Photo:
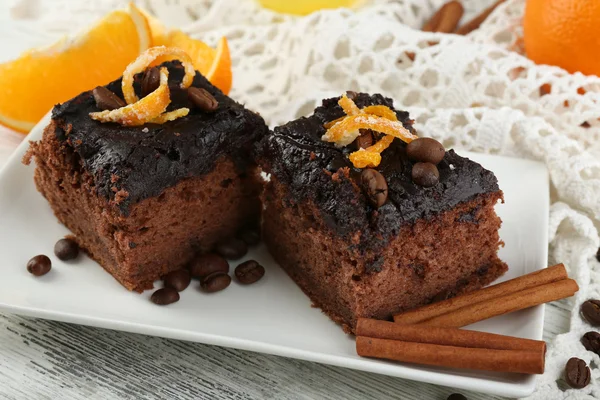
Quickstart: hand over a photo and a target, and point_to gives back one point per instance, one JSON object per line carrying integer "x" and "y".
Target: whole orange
{"x": 565, "y": 33}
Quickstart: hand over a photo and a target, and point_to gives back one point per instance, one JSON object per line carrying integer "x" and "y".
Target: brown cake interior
{"x": 161, "y": 233}
{"x": 452, "y": 252}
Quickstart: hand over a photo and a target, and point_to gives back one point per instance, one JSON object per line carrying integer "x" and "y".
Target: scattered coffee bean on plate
{"x": 232, "y": 248}
{"x": 457, "y": 396}
{"x": 249, "y": 272}
{"x": 150, "y": 81}
{"x": 590, "y": 310}
{"x": 215, "y": 282}
{"x": 39, "y": 265}
{"x": 591, "y": 342}
{"x": 66, "y": 249}
{"x": 165, "y": 296}
{"x": 106, "y": 100}
{"x": 202, "y": 99}
{"x": 425, "y": 150}
{"x": 425, "y": 174}
{"x": 375, "y": 186}
{"x": 178, "y": 280}
{"x": 577, "y": 373}
{"x": 208, "y": 263}
{"x": 250, "y": 235}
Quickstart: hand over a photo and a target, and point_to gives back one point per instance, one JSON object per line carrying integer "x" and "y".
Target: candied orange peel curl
{"x": 379, "y": 118}
{"x": 142, "y": 111}
{"x": 152, "y": 107}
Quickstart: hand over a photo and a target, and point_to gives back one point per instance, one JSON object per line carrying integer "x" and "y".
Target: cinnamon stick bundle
{"x": 449, "y": 347}
{"x": 526, "y": 291}
{"x": 476, "y": 22}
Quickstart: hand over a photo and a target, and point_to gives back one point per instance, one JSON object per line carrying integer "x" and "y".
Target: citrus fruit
{"x": 41, "y": 78}
{"x": 563, "y": 33}
{"x": 306, "y": 6}
{"x": 214, "y": 64}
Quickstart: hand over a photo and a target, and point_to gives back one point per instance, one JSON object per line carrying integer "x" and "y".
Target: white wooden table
{"x": 42, "y": 359}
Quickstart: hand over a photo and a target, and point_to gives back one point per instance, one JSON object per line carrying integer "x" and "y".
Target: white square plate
{"x": 272, "y": 316}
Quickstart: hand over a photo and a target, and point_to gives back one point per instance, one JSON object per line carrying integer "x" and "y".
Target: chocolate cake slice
{"x": 143, "y": 200}
{"x": 355, "y": 259}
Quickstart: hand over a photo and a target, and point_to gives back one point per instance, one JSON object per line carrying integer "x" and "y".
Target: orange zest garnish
{"x": 171, "y": 116}
{"x": 371, "y": 156}
{"x": 345, "y": 131}
{"x": 379, "y": 118}
{"x": 152, "y": 107}
{"x": 142, "y": 111}
{"x": 348, "y": 105}
{"x": 145, "y": 60}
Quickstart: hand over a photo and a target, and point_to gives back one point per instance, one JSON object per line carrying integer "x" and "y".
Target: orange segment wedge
{"x": 39, "y": 79}
{"x": 214, "y": 64}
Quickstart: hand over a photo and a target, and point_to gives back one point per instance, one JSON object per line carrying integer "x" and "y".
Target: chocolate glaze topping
{"x": 143, "y": 161}
{"x": 295, "y": 154}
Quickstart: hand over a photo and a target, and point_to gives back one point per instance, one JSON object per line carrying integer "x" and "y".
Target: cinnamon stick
{"x": 506, "y": 304}
{"x": 445, "y": 336}
{"x": 445, "y": 19}
{"x": 478, "y": 20}
{"x": 537, "y": 278}
{"x": 528, "y": 362}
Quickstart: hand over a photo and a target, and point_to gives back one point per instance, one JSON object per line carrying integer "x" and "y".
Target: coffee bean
{"x": 165, "y": 296}
{"x": 39, "y": 265}
{"x": 249, "y": 272}
{"x": 207, "y": 264}
{"x": 590, "y": 310}
{"x": 351, "y": 94}
{"x": 66, "y": 249}
{"x": 150, "y": 81}
{"x": 425, "y": 174}
{"x": 250, "y": 235}
{"x": 364, "y": 140}
{"x": 202, "y": 99}
{"x": 375, "y": 186}
{"x": 591, "y": 342}
{"x": 215, "y": 282}
{"x": 106, "y": 100}
{"x": 457, "y": 396}
{"x": 178, "y": 280}
{"x": 425, "y": 150}
{"x": 577, "y": 373}
{"x": 232, "y": 248}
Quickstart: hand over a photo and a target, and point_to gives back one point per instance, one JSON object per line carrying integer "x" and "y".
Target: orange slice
{"x": 39, "y": 79}
{"x": 158, "y": 32}
{"x": 215, "y": 65}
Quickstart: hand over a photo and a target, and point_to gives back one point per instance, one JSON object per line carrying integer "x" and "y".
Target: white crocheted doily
{"x": 474, "y": 92}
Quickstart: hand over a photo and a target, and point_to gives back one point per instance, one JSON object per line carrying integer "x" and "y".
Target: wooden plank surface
{"x": 42, "y": 359}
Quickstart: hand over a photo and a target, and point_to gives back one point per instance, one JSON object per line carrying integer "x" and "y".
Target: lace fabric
{"x": 476, "y": 92}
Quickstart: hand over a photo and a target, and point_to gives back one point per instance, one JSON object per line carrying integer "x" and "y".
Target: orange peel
{"x": 348, "y": 105}
{"x": 142, "y": 111}
{"x": 371, "y": 156}
{"x": 146, "y": 59}
{"x": 171, "y": 116}
{"x": 345, "y": 131}
{"x": 378, "y": 118}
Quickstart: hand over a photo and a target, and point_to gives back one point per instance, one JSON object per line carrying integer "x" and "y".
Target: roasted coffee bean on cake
{"x": 369, "y": 226}
{"x": 142, "y": 200}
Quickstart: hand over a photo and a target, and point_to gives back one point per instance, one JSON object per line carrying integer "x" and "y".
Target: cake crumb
{"x": 177, "y": 134}
{"x": 452, "y": 167}
{"x": 145, "y": 130}
{"x": 121, "y": 195}
{"x": 313, "y": 156}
